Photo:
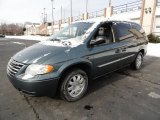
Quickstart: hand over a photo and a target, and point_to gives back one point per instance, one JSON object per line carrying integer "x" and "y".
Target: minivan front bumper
{"x": 35, "y": 88}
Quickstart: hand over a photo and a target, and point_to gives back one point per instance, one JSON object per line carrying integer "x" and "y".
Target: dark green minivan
{"x": 80, "y": 52}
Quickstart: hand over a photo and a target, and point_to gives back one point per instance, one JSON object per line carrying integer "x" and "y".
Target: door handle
{"x": 118, "y": 51}
{"x": 124, "y": 49}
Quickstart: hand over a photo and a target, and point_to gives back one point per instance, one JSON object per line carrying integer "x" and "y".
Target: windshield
{"x": 76, "y": 30}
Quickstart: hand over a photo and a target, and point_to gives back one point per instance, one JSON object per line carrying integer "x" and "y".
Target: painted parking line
{"x": 19, "y": 43}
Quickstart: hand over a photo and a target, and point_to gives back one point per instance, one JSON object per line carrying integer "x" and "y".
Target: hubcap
{"x": 76, "y": 85}
{"x": 139, "y": 61}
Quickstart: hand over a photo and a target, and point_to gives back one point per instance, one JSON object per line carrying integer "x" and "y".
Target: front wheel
{"x": 137, "y": 64}
{"x": 74, "y": 85}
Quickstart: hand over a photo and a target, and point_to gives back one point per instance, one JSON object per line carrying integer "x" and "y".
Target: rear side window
{"x": 124, "y": 30}
{"x": 137, "y": 31}
{"x": 136, "y": 26}
{"x": 137, "y": 34}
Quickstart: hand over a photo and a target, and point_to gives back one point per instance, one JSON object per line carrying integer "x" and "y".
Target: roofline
{"x": 103, "y": 19}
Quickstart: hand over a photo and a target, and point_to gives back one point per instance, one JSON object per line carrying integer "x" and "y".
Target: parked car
{"x": 2, "y": 36}
{"x": 81, "y": 52}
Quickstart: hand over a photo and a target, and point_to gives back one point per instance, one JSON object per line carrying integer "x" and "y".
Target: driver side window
{"x": 104, "y": 32}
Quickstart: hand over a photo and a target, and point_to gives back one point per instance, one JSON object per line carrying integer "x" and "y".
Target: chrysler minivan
{"x": 80, "y": 52}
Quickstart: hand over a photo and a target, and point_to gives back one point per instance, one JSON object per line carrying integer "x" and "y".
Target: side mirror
{"x": 92, "y": 43}
{"x": 98, "y": 41}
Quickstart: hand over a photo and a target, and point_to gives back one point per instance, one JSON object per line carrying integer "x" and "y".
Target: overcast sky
{"x": 21, "y": 11}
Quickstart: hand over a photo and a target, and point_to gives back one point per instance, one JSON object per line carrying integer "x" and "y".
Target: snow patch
{"x": 18, "y": 43}
{"x": 29, "y": 37}
{"x": 52, "y": 43}
{"x": 74, "y": 42}
{"x": 153, "y": 49}
{"x": 154, "y": 95}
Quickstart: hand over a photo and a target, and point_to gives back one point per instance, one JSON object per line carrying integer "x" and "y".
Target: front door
{"x": 105, "y": 56}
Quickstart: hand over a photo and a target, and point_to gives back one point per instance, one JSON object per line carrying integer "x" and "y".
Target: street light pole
{"x": 61, "y": 12}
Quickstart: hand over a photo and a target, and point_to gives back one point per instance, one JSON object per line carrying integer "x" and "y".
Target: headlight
{"x": 33, "y": 70}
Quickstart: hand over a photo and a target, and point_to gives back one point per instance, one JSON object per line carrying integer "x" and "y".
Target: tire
{"x": 74, "y": 85}
{"x": 137, "y": 64}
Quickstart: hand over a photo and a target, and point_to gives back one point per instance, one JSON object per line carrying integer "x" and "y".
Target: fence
{"x": 64, "y": 20}
{"x": 95, "y": 14}
{"x": 56, "y": 22}
{"x": 134, "y": 6}
{"x": 158, "y": 3}
{"x": 77, "y": 18}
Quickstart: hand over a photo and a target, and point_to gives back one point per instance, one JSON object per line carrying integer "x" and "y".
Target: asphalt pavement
{"x": 122, "y": 95}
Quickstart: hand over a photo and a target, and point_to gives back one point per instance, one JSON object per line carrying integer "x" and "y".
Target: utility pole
{"x": 42, "y": 18}
{"x": 79, "y": 15}
{"x": 52, "y": 17}
{"x": 109, "y": 3}
{"x": 44, "y": 15}
{"x": 61, "y": 12}
{"x": 45, "y": 20}
{"x": 86, "y": 6}
{"x": 64, "y": 14}
{"x": 71, "y": 7}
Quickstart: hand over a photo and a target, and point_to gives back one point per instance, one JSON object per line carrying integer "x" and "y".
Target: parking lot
{"x": 122, "y": 95}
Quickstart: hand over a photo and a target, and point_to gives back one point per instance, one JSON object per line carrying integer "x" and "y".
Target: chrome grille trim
{"x": 16, "y": 62}
{"x": 13, "y": 67}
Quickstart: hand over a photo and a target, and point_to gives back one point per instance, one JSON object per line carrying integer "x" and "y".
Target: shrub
{"x": 153, "y": 38}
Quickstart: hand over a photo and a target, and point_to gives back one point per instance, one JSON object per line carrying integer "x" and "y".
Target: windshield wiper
{"x": 55, "y": 39}
{"x": 67, "y": 43}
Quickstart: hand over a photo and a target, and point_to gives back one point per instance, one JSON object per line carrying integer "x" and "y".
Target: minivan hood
{"x": 40, "y": 52}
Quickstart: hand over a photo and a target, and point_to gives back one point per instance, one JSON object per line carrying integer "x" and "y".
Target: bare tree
{"x": 3, "y": 28}
{"x": 11, "y": 29}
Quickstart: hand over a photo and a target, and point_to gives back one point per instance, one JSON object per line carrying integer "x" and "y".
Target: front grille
{"x": 13, "y": 67}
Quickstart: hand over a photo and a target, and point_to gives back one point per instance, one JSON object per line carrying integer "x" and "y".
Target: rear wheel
{"x": 137, "y": 64}
{"x": 74, "y": 85}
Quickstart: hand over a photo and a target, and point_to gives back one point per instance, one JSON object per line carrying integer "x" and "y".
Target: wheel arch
{"x": 85, "y": 66}
{"x": 142, "y": 51}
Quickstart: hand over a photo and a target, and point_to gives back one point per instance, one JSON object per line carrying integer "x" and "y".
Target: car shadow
{"x": 118, "y": 75}
{"x": 101, "y": 82}
{"x": 113, "y": 77}
{"x": 149, "y": 60}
